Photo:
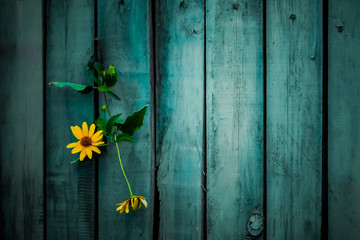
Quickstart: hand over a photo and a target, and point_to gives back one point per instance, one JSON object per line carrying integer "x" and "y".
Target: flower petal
{"x": 82, "y": 154}
{"x": 99, "y": 138}
{"x": 124, "y": 202}
{"x": 91, "y": 130}
{"x": 144, "y": 202}
{"x": 127, "y": 207}
{"x": 96, "y": 137}
{"x": 88, "y": 152}
{"x": 95, "y": 149}
{"x": 72, "y": 145}
{"x": 85, "y": 129}
{"x": 132, "y": 202}
{"x": 135, "y": 203}
{"x": 77, "y": 149}
{"x": 97, "y": 143}
{"x": 77, "y": 132}
{"x": 122, "y": 209}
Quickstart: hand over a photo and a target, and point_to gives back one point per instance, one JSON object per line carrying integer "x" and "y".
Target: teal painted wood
{"x": 179, "y": 116}
{"x": 70, "y": 187}
{"x": 21, "y": 120}
{"x": 344, "y": 117}
{"x": 294, "y": 119}
{"x": 234, "y": 116}
{"x": 124, "y": 42}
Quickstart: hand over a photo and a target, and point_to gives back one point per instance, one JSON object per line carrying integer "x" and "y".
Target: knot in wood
{"x": 235, "y": 5}
{"x": 292, "y": 16}
{"x": 255, "y": 224}
{"x": 340, "y": 28}
{"x": 182, "y": 4}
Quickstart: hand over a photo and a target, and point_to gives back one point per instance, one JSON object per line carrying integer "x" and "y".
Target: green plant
{"x": 112, "y": 127}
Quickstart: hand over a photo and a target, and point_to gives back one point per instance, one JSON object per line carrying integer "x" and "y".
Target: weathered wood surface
{"x": 234, "y": 60}
{"x": 179, "y": 116}
{"x": 124, "y": 42}
{"x": 70, "y": 187}
{"x": 234, "y": 95}
{"x": 21, "y": 120}
{"x": 294, "y": 119}
{"x": 344, "y": 118}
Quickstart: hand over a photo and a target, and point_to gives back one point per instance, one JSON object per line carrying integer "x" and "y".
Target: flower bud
{"x": 110, "y": 76}
{"x": 103, "y": 108}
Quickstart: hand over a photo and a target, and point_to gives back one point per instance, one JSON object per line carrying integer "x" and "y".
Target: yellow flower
{"x": 87, "y": 140}
{"x": 134, "y": 201}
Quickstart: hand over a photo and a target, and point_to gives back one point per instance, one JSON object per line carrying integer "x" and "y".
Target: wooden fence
{"x": 252, "y": 131}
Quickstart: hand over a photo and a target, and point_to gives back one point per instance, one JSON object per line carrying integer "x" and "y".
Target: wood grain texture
{"x": 70, "y": 187}
{"x": 124, "y": 42}
{"x": 21, "y": 120}
{"x": 234, "y": 116}
{"x": 179, "y": 113}
{"x": 344, "y": 117}
{"x": 294, "y": 119}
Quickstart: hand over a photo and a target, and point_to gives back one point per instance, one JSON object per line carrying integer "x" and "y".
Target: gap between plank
{"x": 153, "y": 75}
{"x": 96, "y": 115}
{"x": 204, "y": 157}
{"x": 44, "y": 49}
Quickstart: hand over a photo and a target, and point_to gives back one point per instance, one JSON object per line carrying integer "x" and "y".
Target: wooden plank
{"x": 70, "y": 187}
{"x": 344, "y": 116}
{"x": 234, "y": 117}
{"x": 21, "y": 120}
{"x": 179, "y": 116}
{"x": 294, "y": 119}
{"x": 124, "y": 42}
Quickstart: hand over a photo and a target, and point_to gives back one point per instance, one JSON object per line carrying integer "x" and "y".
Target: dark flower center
{"x": 85, "y": 141}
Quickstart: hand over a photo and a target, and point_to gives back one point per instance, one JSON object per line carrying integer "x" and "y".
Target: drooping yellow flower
{"x": 88, "y": 140}
{"x": 134, "y": 201}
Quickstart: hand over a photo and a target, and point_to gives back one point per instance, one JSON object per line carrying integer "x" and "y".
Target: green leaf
{"x": 98, "y": 67}
{"x": 90, "y": 68}
{"x": 134, "y": 121}
{"x": 104, "y": 88}
{"x": 97, "y": 80}
{"x": 119, "y": 123}
{"x": 110, "y": 124}
{"x": 75, "y": 160}
{"x": 124, "y": 138}
{"x": 85, "y": 89}
{"x": 101, "y": 124}
{"x": 111, "y": 93}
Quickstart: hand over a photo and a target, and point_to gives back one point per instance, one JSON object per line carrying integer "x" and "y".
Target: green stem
{"x": 122, "y": 168}
{"x": 107, "y": 106}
